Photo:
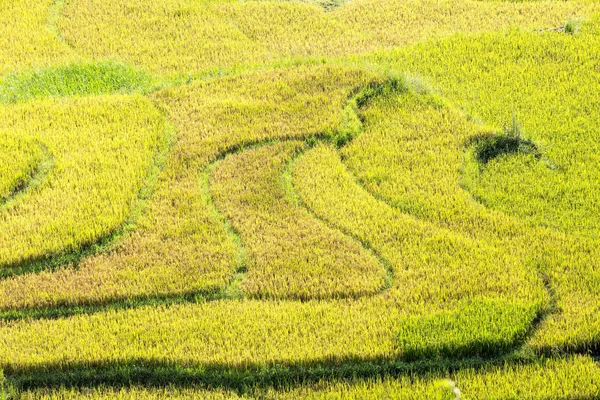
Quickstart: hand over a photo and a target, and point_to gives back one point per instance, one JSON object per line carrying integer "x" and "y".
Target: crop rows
{"x": 286, "y": 199}
{"x": 209, "y": 36}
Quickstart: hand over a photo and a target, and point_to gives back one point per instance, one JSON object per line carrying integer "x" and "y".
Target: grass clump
{"x": 573, "y": 27}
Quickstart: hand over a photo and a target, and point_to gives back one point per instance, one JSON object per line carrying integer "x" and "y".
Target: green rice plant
{"x": 106, "y": 77}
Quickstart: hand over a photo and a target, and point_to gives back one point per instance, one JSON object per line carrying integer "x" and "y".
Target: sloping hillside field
{"x": 237, "y": 199}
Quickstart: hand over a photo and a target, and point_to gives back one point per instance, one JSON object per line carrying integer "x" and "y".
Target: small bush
{"x": 510, "y": 141}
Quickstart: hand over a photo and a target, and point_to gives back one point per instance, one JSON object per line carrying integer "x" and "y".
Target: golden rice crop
{"x": 291, "y": 254}
{"x": 100, "y": 152}
{"x": 308, "y": 199}
{"x": 19, "y": 160}
{"x": 378, "y": 327}
{"x": 195, "y": 37}
{"x": 27, "y": 39}
{"x": 180, "y": 245}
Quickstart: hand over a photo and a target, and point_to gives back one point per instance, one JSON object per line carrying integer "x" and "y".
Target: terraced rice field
{"x": 238, "y": 199}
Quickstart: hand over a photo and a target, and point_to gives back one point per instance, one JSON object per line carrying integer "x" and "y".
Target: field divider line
{"x": 55, "y": 12}
{"x": 292, "y": 193}
{"x": 545, "y": 311}
{"x": 106, "y": 242}
{"x": 33, "y": 181}
{"x": 238, "y": 378}
{"x": 230, "y": 291}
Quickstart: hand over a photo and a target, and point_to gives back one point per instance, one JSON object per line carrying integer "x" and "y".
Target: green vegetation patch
{"x": 77, "y": 79}
{"x": 489, "y": 146}
{"x": 481, "y": 328}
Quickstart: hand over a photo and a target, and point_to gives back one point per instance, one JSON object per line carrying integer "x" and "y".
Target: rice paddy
{"x": 279, "y": 199}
